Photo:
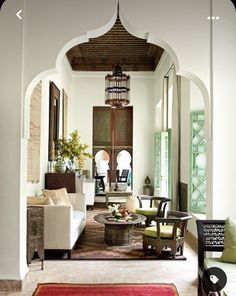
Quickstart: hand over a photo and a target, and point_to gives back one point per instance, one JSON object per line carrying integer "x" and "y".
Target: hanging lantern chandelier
{"x": 117, "y": 87}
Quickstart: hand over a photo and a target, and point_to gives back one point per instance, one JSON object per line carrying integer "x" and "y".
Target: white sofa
{"x": 63, "y": 224}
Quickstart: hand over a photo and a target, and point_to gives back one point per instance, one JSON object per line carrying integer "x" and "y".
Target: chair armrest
{"x": 163, "y": 200}
{"x": 57, "y": 226}
{"x": 167, "y": 220}
{"x": 172, "y": 220}
{"x": 78, "y": 201}
{"x": 200, "y": 271}
{"x": 180, "y": 223}
{"x": 145, "y": 197}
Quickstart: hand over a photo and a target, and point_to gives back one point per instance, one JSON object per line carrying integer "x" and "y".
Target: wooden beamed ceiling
{"x": 116, "y": 46}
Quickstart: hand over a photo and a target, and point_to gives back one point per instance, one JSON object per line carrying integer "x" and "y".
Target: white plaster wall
{"x": 163, "y": 67}
{"x": 185, "y": 130}
{"x": 181, "y": 26}
{"x": 88, "y": 91}
{"x": 12, "y": 177}
{"x": 196, "y": 99}
{"x": 49, "y": 25}
{"x": 224, "y": 94}
{"x": 63, "y": 80}
{"x": 172, "y": 24}
{"x": 143, "y": 132}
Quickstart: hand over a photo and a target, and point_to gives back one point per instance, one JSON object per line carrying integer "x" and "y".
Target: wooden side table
{"x": 60, "y": 180}
{"x": 35, "y": 234}
{"x": 118, "y": 233}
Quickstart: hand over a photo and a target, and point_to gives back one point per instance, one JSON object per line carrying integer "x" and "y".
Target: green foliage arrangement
{"x": 72, "y": 148}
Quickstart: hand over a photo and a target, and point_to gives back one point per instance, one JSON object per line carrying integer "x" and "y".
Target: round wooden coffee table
{"x": 118, "y": 232}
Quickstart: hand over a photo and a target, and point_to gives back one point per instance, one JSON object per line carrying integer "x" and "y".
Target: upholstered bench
{"x": 217, "y": 236}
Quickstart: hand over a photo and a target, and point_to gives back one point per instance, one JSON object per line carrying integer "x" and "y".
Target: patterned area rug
{"x": 106, "y": 290}
{"x": 91, "y": 244}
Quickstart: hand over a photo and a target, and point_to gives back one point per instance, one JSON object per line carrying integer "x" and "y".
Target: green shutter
{"x": 161, "y": 162}
{"x": 157, "y": 159}
{"x": 197, "y": 188}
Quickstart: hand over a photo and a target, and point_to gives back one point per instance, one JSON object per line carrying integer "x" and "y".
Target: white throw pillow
{"x": 58, "y": 196}
{"x": 32, "y": 200}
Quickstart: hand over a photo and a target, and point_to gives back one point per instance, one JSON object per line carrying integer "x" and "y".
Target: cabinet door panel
{"x": 123, "y": 122}
{"x": 102, "y": 126}
{"x": 60, "y": 180}
{"x": 112, "y": 132}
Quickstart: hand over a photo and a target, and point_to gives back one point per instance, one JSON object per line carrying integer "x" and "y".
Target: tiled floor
{"x": 182, "y": 273}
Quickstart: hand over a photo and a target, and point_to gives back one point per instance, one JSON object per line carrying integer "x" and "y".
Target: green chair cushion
{"x": 229, "y": 252}
{"x": 166, "y": 231}
{"x": 146, "y": 211}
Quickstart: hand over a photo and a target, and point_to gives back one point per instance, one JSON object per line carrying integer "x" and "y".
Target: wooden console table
{"x": 116, "y": 194}
{"x": 60, "y": 180}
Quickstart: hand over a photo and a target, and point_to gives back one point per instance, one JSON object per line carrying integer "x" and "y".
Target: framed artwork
{"x": 64, "y": 114}
{"x": 54, "y": 115}
{"x": 33, "y": 149}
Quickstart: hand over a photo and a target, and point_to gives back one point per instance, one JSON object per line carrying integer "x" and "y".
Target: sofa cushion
{"x": 146, "y": 211}
{"x": 166, "y": 231}
{"x": 229, "y": 252}
{"x": 77, "y": 224}
{"x": 58, "y": 196}
{"x": 78, "y": 217}
{"x": 32, "y": 200}
{"x": 229, "y": 269}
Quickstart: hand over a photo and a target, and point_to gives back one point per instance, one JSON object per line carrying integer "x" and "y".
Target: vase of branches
{"x": 73, "y": 150}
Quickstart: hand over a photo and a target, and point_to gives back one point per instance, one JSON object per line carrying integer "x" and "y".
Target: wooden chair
{"x": 124, "y": 176}
{"x": 168, "y": 233}
{"x": 156, "y": 208}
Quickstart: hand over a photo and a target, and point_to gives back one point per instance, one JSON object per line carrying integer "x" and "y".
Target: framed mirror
{"x": 54, "y": 114}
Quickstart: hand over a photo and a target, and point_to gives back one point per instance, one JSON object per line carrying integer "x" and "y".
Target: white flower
{"x": 114, "y": 208}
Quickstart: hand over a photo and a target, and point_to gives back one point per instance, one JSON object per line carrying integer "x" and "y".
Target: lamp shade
{"x": 117, "y": 87}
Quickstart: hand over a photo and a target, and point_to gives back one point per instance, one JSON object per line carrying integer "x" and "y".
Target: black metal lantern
{"x": 117, "y": 87}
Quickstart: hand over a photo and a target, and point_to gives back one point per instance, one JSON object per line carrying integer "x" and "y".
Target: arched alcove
{"x": 194, "y": 47}
{"x": 134, "y": 31}
{"x": 102, "y": 159}
{"x": 150, "y": 37}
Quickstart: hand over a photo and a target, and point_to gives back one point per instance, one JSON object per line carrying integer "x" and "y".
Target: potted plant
{"x": 72, "y": 149}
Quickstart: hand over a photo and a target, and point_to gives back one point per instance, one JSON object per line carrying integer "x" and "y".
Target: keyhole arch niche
{"x": 124, "y": 162}
{"x": 101, "y": 163}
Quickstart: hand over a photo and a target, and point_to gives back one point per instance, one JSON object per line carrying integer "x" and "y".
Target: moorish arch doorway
{"x": 71, "y": 42}
{"x": 66, "y": 50}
